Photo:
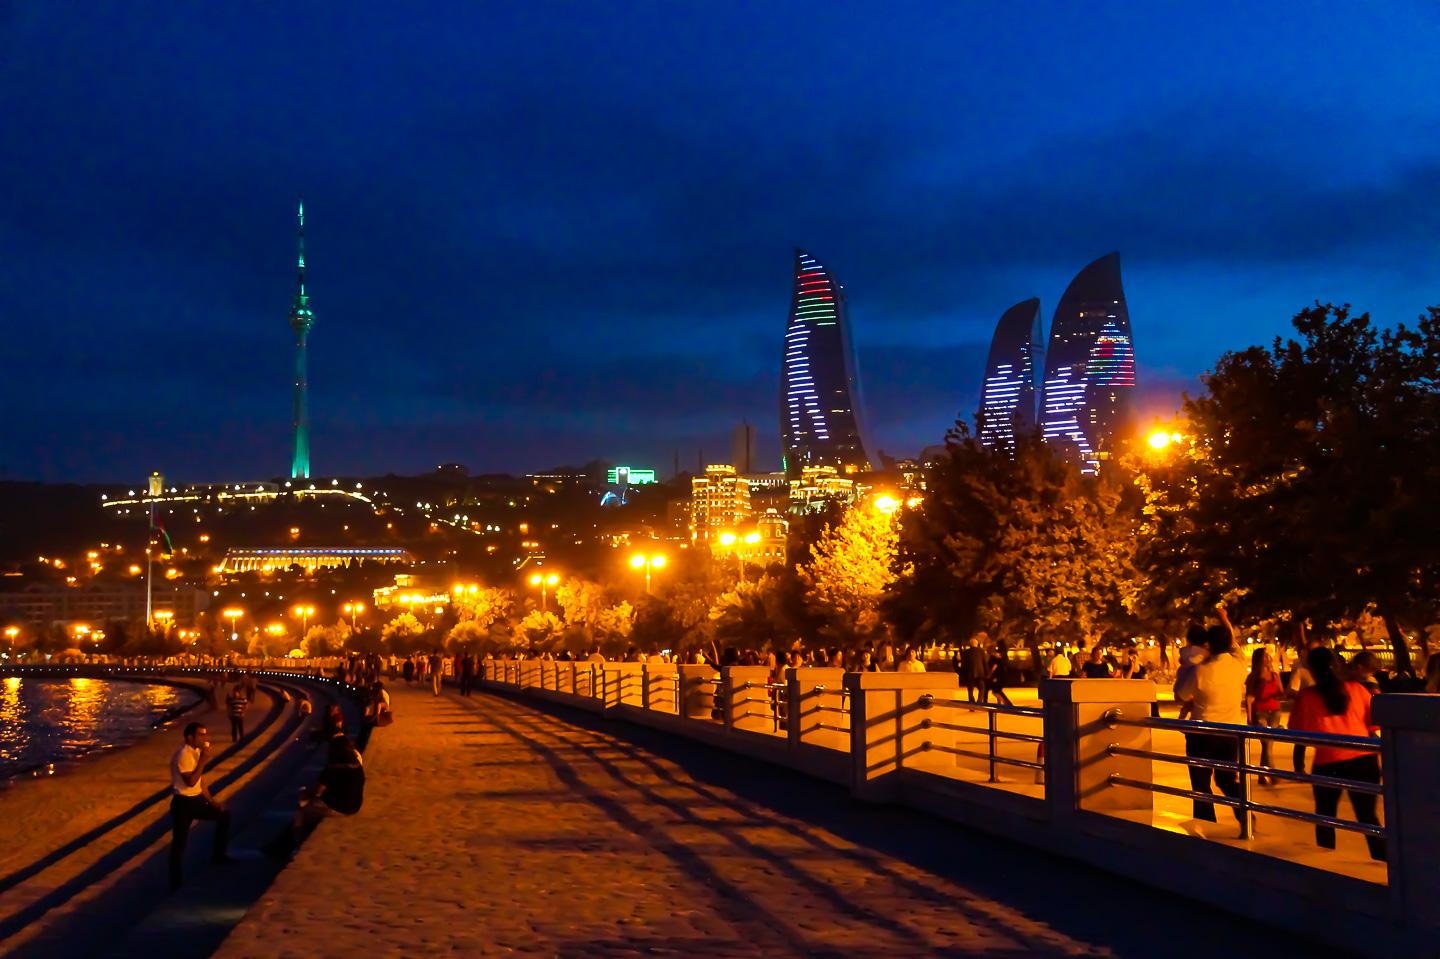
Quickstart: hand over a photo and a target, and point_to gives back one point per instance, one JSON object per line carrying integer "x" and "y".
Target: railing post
{"x": 547, "y": 675}
{"x": 565, "y": 678}
{"x": 660, "y": 687}
{"x": 746, "y": 701}
{"x": 624, "y": 684}
{"x": 892, "y": 727}
{"x": 1078, "y": 735}
{"x": 697, "y": 692}
{"x": 1410, "y": 757}
{"x": 813, "y": 701}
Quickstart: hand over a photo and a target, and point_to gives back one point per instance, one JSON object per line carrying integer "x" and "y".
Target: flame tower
{"x": 301, "y": 319}
{"x": 819, "y": 419}
{"x": 1090, "y": 366}
{"x": 1007, "y": 400}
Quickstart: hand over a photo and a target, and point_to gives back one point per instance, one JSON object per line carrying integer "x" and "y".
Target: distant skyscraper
{"x": 819, "y": 423}
{"x": 1007, "y": 399}
{"x": 742, "y": 448}
{"x": 1090, "y": 365}
{"x": 301, "y": 319}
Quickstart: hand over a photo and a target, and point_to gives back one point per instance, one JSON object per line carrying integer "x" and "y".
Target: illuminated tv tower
{"x": 301, "y": 319}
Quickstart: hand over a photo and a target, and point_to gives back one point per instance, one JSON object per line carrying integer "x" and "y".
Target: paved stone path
{"x": 493, "y": 827}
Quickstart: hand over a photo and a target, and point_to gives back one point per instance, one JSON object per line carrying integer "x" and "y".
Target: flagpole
{"x": 149, "y": 564}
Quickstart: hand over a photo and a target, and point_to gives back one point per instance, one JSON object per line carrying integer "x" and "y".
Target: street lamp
{"x": 233, "y": 613}
{"x": 647, "y": 563}
{"x": 886, "y": 503}
{"x": 353, "y": 610}
{"x": 304, "y": 612}
{"x": 544, "y": 581}
{"x": 166, "y": 616}
{"x": 731, "y": 541}
{"x": 1162, "y": 440}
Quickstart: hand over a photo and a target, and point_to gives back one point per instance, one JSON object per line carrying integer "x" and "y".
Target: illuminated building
{"x": 1089, "y": 365}
{"x": 629, "y": 476}
{"x": 42, "y": 604}
{"x": 301, "y": 319}
{"x": 819, "y": 486}
{"x": 1007, "y": 397}
{"x": 415, "y": 590}
{"x": 719, "y": 500}
{"x": 819, "y": 424}
{"x": 307, "y": 558}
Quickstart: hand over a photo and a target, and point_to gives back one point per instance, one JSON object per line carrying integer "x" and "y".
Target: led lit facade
{"x": 1090, "y": 365}
{"x": 1007, "y": 398}
{"x": 301, "y": 319}
{"x": 819, "y": 423}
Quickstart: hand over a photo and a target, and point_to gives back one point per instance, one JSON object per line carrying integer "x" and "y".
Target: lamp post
{"x": 545, "y": 581}
{"x": 647, "y": 563}
{"x": 353, "y": 610}
{"x": 233, "y": 613}
{"x": 304, "y": 612}
{"x": 732, "y": 541}
{"x": 11, "y": 634}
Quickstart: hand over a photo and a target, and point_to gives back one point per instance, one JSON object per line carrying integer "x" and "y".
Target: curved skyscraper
{"x": 819, "y": 424}
{"x": 1090, "y": 365}
{"x": 1007, "y": 398}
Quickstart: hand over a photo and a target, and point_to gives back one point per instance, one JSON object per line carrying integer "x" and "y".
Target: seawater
{"x": 46, "y": 723}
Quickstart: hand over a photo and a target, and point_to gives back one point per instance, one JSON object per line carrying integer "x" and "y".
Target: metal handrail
{"x": 1194, "y": 726}
{"x": 1000, "y": 733}
{"x": 1379, "y": 831}
{"x": 1034, "y": 712}
{"x": 1243, "y": 768}
{"x": 1373, "y": 789}
{"x": 990, "y": 757}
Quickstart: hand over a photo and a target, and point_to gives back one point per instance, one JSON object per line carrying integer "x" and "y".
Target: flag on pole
{"x": 163, "y": 539}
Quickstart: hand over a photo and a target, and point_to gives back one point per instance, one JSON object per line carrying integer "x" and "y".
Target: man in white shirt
{"x": 1060, "y": 666}
{"x": 192, "y": 801}
{"x": 911, "y": 663}
{"x": 1215, "y": 690}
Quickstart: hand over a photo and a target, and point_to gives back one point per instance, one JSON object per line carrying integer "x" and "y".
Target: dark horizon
{"x": 536, "y": 238}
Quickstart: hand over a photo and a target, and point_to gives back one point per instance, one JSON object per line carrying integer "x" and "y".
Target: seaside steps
{"x": 92, "y": 862}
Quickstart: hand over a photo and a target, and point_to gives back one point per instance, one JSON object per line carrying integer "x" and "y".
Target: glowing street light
{"x": 731, "y": 541}
{"x": 886, "y": 503}
{"x": 1160, "y": 441}
{"x": 545, "y": 581}
{"x": 304, "y": 612}
{"x": 233, "y": 613}
{"x": 647, "y": 563}
{"x": 353, "y": 610}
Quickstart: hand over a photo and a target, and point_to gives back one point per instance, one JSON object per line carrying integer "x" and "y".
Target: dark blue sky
{"x": 545, "y": 232}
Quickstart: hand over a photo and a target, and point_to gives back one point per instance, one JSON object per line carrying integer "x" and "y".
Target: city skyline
{"x": 494, "y": 296}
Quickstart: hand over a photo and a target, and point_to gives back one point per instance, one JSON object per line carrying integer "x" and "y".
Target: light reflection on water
{"x": 45, "y": 721}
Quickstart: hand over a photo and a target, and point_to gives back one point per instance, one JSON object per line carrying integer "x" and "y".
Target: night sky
{"x": 542, "y": 233}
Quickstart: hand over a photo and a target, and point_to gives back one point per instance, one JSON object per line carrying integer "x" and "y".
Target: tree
{"x": 540, "y": 628}
{"x": 850, "y": 568}
{"x": 1021, "y": 546}
{"x": 591, "y": 616}
{"x": 402, "y": 633}
{"x": 1307, "y": 489}
{"x": 325, "y": 640}
{"x": 486, "y": 607}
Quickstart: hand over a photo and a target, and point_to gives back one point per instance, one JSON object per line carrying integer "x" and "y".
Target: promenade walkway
{"x": 493, "y": 827}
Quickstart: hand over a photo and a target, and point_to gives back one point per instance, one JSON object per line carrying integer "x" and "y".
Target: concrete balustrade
{"x": 746, "y": 703}
{"x": 898, "y": 749}
{"x": 698, "y": 687}
{"x": 624, "y": 684}
{"x": 659, "y": 684}
{"x": 1079, "y": 732}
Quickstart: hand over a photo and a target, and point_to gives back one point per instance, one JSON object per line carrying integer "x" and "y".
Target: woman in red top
{"x": 1341, "y": 708}
{"x": 1262, "y": 701}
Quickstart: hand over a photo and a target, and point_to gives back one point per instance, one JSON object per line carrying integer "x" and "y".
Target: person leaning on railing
{"x": 1342, "y": 708}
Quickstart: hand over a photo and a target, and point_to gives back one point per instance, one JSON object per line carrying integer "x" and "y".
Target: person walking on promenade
{"x": 408, "y": 670}
{"x": 910, "y": 662}
{"x": 997, "y": 675}
{"x": 1301, "y": 679}
{"x": 236, "y": 704}
{"x": 467, "y": 674}
{"x": 1215, "y": 690}
{"x": 1342, "y": 708}
{"x": 191, "y": 800}
{"x": 1059, "y": 666}
{"x": 1262, "y": 702}
{"x": 972, "y": 670}
{"x": 437, "y": 672}
{"x": 1190, "y": 656}
{"x": 1097, "y": 667}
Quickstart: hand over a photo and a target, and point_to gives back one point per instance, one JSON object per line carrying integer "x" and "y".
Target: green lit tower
{"x": 301, "y": 319}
